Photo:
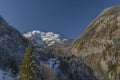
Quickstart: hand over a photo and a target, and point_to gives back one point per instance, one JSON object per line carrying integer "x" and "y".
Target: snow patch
{"x": 5, "y": 76}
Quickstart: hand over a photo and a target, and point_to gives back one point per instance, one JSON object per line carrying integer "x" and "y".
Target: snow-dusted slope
{"x": 12, "y": 47}
{"x": 43, "y": 38}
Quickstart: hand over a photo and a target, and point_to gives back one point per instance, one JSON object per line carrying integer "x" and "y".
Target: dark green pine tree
{"x": 28, "y": 68}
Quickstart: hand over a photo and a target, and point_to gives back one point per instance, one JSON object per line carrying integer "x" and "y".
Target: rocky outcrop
{"x": 99, "y": 45}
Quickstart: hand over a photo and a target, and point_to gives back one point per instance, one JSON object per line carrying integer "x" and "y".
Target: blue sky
{"x": 67, "y": 17}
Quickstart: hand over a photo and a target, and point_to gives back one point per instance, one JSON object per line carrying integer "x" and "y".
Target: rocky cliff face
{"x": 12, "y": 46}
{"x": 99, "y": 45}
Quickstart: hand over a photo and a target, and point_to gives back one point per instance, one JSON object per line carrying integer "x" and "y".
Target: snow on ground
{"x": 5, "y": 76}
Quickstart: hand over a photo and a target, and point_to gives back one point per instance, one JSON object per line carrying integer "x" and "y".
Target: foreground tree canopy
{"x": 28, "y": 69}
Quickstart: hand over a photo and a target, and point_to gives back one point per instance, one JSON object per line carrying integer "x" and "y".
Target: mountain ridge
{"x": 12, "y": 48}
{"x": 98, "y": 46}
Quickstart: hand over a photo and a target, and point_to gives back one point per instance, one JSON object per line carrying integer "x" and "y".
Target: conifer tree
{"x": 28, "y": 69}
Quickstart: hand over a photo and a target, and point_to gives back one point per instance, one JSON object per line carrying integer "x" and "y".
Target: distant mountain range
{"x": 44, "y": 38}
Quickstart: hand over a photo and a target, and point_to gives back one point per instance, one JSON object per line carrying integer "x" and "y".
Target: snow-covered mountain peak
{"x": 43, "y": 38}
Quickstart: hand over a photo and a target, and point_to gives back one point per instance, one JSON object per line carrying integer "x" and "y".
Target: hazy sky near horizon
{"x": 67, "y": 17}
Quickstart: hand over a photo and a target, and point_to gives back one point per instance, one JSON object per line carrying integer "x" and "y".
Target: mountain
{"x": 12, "y": 47}
{"x": 57, "y": 63}
{"x": 99, "y": 45}
{"x": 54, "y": 60}
{"x": 43, "y": 38}
{"x": 94, "y": 55}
